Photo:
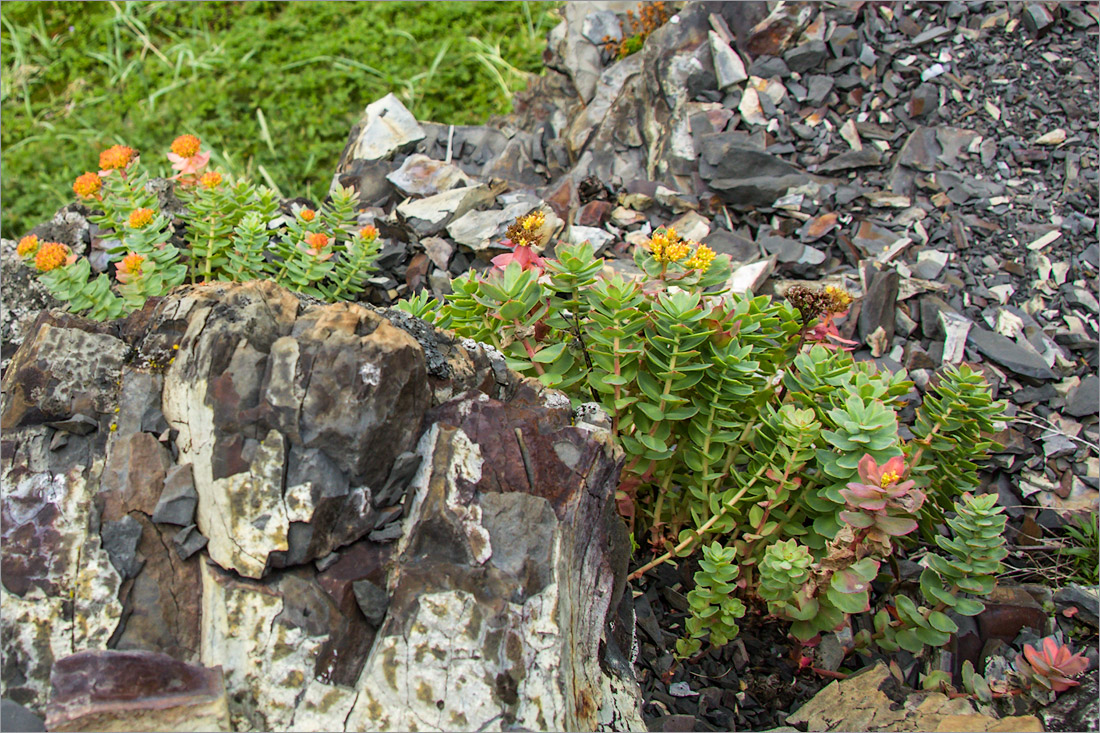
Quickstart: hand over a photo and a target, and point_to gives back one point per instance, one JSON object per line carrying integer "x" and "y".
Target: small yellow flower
{"x": 88, "y": 184}
{"x": 701, "y": 259}
{"x": 51, "y": 255}
{"x": 175, "y": 347}
{"x": 307, "y": 214}
{"x": 27, "y": 246}
{"x": 837, "y": 300}
{"x": 666, "y": 246}
{"x": 114, "y": 427}
{"x": 890, "y": 477}
{"x": 115, "y": 157}
{"x": 211, "y": 179}
{"x": 185, "y": 146}
{"x": 140, "y": 217}
{"x": 533, "y": 221}
{"x": 368, "y": 233}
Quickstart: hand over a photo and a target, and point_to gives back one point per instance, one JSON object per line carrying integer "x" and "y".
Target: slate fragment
{"x": 178, "y": 499}
{"x": 1009, "y": 354}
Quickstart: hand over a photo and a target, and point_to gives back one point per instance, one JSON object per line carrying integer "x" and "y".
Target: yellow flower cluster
{"x": 140, "y": 217}
{"x": 186, "y": 146}
{"x": 701, "y": 259}
{"x": 667, "y": 246}
{"x": 890, "y": 477}
{"x": 115, "y": 157}
{"x": 27, "y": 246}
{"x": 307, "y": 214}
{"x": 88, "y": 184}
{"x": 369, "y": 233}
{"x": 534, "y": 221}
{"x": 51, "y": 256}
{"x": 837, "y": 300}
{"x": 211, "y": 179}
{"x": 526, "y": 232}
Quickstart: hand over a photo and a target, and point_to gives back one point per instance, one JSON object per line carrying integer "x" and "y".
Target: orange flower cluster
{"x": 186, "y": 146}
{"x": 51, "y": 255}
{"x": 307, "y": 214}
{"x": 27, "y": 246}
{"x": 317, "y": 241}
{"x": 211, "y": 179}
{"x": 650, "y": 17}
{"x": 87, "y": 185}
{"x": 140, "y": 218}
{"x": 368, "y": 233}
{"x": 116, "y": 157}
{"x": 129, "y": 267}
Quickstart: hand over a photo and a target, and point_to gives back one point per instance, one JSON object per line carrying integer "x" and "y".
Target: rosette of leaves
{"x": 972, "y": 563}
{"x": 714, "y": 607}
{"x": 814, "y": 605}
{"x": 880, "y": 504}
{"x": 1050, "y": 669}
{"x": 951, "y": 428}
{"x": 861, "y": 426}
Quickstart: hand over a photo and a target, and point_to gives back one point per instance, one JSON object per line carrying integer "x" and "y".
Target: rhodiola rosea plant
{"x": 751, "y": 433}
{"x": 230, "y": 232}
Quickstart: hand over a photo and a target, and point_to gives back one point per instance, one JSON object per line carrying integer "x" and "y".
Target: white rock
{"x": 1056, "y": 136}
{"x": 750, "y": 109}
{"x": 430, "y": 215}
{"x": 598, "y": 238}
{"x": 387, "y": 126}
{"x": 955, "y": 328}
{"x": 751, "y": 276}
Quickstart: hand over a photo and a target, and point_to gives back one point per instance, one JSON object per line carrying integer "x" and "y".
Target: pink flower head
{"x": 882, "y": 498}
{"x": 188, "y": 166}
{"x": 522, "y": 254}
{"x": 884, "y": 475}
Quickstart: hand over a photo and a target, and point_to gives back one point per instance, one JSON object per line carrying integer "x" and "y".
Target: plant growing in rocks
{"x": 749, "y": 431}
{"x": 231, "y": 231}
{"x": 651, "y": 16}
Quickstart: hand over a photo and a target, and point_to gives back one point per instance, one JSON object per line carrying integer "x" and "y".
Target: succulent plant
{"x": 815, "y": 600}
{"x": 973, "y": 563}
{"x": 951, "y": 429}
{"x": 1051, "y": 667}
{"x": 881, "y": 502}
{"x": 714, "y": 608}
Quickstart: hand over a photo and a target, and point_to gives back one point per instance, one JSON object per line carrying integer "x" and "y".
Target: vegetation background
{"x": 271, "y": 88}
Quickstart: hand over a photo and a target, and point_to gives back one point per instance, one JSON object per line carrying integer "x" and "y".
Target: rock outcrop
{"x": 357, "y": 524}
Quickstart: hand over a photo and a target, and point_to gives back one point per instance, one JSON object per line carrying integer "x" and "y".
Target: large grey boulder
{"x": 391, "y": 516}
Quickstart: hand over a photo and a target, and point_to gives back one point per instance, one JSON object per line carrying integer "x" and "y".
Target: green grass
{"x": 271, "y": 88}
